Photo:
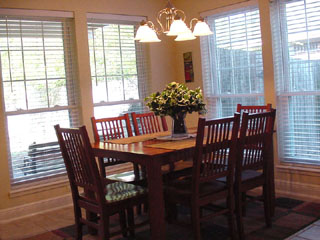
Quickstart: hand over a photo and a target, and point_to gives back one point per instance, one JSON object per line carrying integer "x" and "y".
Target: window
{"x": 118, "y": 67}
{"x": 296, "y": 36}
{"x": 232, "y": 62}
{"x": 38, "y": 85}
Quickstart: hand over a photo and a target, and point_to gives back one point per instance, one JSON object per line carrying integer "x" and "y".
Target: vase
{"x": 179, "y": 128}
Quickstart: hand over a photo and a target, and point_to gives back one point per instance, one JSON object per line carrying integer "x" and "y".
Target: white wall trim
{"x": 246, "y": 3}
{"x": 30, "y": 209}
{"x": 35, "y": 13}
{"x": 115, "y": 17}
{"x": 296, "y": 190}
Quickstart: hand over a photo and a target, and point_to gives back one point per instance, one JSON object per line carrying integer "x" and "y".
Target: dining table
{"x": 150, "y": 151}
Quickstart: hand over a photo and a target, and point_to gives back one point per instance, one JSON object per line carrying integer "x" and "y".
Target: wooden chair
{"x": 254, "y": 109}
{"x": 113, "y": 128}
{"x": 147, "y": 123}
{"x": 253, "y": 166}
{"x": 258, "y": 109}
{"x": 214, "y": 157}
{"x": 101, "y": 198}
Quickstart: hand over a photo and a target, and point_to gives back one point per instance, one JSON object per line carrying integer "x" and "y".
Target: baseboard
{"x": 27, "y": 210}
{"x": 296, "y": 190}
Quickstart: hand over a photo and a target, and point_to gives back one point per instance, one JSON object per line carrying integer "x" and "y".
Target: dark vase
{"x": 179, "y": 128}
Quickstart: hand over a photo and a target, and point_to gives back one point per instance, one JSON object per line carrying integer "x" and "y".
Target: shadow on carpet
{"x": 290, "y": 216}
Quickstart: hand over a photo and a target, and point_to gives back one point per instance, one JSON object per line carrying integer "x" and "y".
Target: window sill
{"x": 40, "y": 186}
{"x": 304, "y": 169}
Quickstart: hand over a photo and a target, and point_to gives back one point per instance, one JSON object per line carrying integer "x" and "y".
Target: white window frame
{"x": 141, "y": 51}
{"x": 34, "y": 181}
{"x": 213, "y": 97}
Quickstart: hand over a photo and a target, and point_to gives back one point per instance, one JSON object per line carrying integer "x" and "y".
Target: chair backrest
{"x": 80, "y": 162}
{"x": 256, "y": 139}
{"x": 215, "y": 150}
{"x": 146, "y": 123}
{"x": 111, "y": 128}
{"x": 254, "y": 109}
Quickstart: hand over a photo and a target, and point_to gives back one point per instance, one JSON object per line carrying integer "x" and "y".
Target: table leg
{"x": 156, "y": 201}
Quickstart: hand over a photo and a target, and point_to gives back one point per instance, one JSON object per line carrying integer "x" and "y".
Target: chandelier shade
{"x": 172, "y": 23}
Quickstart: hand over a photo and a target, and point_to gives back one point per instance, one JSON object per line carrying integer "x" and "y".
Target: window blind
{"x": 232, "y": 61}
{"x": 296, "y": 44}
{"x": 118, "y": 67}
{"x": 39, "y": 91}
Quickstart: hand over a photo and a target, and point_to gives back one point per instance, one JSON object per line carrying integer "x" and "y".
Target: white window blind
{"x": 39, "y": 91}
{"x": 232, "y": 61}
{"x": 296, "y": 44}
{"x": 118, "y": 67}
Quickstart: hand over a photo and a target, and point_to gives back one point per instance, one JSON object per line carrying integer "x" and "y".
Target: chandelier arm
{"x": 183, "y": 14}
{"x": 192, "y": 20}
{"x": 160, "y": 13}
{"x": 152, "y": 26}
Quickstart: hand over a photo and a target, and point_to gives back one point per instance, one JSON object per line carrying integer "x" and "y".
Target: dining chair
{"x": 148, "y": 123}
{"x": 253, "y": 165}
{"x": 105, "y": 129}
{"x": 254, "y": 108}
{"x": 100, "y": 197}
{"x": 214, "y": 157}
{"x": 257, "y": 109}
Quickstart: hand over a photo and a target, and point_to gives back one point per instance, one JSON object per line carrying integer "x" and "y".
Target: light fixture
{"x": 172, "y": 23}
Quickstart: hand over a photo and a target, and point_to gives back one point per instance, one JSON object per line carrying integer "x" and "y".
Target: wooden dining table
{"x": 151, "y": 151}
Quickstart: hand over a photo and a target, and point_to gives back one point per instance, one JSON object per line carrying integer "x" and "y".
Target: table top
{"x": 146, "y": 145}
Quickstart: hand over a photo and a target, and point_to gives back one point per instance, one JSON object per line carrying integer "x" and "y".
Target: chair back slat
{"x": 146, "y": 123}
{"x": 215, "y": 149}
{"x": 78, "y": 157}
{"x": 256, "y": 136}
{"x": 254, "y": 109}
{"x": 111, "y": 128}
{"x": 107, "y": 129}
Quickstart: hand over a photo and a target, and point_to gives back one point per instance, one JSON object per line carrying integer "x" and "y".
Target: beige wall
{"x": 162, "y": 72}
{"x": 166, "y": 66}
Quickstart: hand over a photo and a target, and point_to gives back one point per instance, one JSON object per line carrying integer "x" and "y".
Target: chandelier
{"x": 172, "y": 23}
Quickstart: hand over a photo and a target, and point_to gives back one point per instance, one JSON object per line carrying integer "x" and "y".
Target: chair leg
{"x": 78, "y": 224}
{"x": 244, "y": 203}
{"x": 267, "y": 203}
{"x": 131, "y": 222}
{"x": 195, "y": 218}
{"x": 238, "y": 203}
{"x": 104, "y": 233}
{"x": 123, "y": 223}
{"x": 231, "y": 217}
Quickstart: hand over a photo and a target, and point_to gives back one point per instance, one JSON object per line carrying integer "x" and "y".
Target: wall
{"x": 297, "y": 181}
{"x": 162, "y": 72}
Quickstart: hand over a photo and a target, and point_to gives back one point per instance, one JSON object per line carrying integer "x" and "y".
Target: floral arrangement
{"x": 176, "y": 99}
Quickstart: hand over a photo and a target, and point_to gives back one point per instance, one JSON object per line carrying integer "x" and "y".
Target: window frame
{"x": 207, "y": 44}
{"x": 140, "y": 50}
{"x": 71, "y": 85}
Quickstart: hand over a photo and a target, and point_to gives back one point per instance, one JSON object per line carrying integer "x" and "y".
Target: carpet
{"x": 290, "y": 216}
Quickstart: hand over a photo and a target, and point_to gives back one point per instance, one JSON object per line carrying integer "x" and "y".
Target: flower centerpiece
{"x": 176, "y": 100}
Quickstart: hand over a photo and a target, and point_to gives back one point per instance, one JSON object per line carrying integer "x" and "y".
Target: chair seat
{"x": 245, "y": 175}
{"x": 250, "y": 174}
{"x": 120, "y": 191}
{"x": 182, "y": 187}
{"x": 128, "y": 177}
